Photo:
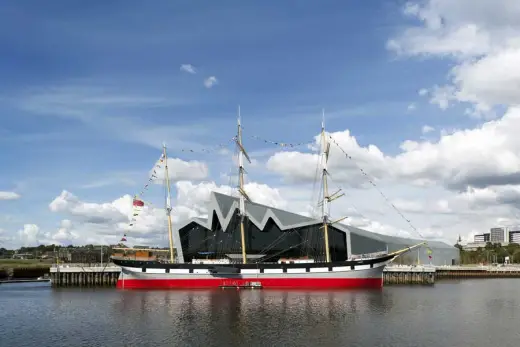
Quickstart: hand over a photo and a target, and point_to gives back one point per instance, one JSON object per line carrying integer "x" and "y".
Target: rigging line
{"x": 345, "y": 191}
{"x": 355, "y": 208}
{"x": 273, "y": 243}
{"x": 279, "y": 143}
{"x": 285, "y": 250}
{"x": 281, "y": 238}
{"x": 371, "y": 181}
{"x": 159, "y": 163}
{"x": 278, "y": 240}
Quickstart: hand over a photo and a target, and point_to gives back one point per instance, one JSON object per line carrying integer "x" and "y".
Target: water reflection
{"x": 242, "y": 315}
{"x": 471, "y": 313}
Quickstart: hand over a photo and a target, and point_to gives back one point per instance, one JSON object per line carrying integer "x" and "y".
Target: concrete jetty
{"x": 405, "y": 274}
{"x": 84, "y": 275}
{"x": 428, "y": 274}
{"x": 478, "y": 271}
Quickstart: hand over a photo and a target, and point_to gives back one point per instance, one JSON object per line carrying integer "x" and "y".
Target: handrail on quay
{"x": 68, "y": 265}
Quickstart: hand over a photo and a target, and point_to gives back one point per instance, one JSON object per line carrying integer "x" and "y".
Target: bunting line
{"x": 213, "y": 149}
{"x": 281, "y": 144}
{"x": 158, "y": 165}
{"x": 138, "y": 203}
{"x": 371, "y": 181}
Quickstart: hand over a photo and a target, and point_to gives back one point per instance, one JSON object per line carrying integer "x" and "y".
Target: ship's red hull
{"x": 300, "y": 283}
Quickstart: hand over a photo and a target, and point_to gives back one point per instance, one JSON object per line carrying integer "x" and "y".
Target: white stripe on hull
{"x": 359, "y": 272}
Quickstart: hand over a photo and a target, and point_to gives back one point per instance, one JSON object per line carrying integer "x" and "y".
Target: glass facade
{"x": 271, "y": 241}
{"x": 514, "y": 236}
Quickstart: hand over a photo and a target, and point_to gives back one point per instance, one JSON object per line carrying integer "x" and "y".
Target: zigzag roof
{"x": 224, "y": 206}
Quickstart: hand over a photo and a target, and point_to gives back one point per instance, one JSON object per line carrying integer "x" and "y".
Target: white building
{"x": 498, "y": 235}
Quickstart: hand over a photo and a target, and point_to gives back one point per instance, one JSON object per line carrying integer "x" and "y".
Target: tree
{"x": 511, "y": 250}
{"x": 516, "y": 256}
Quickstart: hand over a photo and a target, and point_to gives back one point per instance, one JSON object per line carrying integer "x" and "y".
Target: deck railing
{"x": 369, "y": 255}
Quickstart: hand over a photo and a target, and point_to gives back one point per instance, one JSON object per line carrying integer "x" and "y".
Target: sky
{"x": 422, "y": 95}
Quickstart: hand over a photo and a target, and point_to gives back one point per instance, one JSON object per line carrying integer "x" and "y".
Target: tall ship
{"x": 244, "y": 244}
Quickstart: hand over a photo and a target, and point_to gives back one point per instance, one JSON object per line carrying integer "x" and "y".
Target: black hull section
{"x": 236, "y": 268}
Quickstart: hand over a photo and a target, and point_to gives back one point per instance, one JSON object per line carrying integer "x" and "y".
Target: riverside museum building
{"x": 271, "y": 234}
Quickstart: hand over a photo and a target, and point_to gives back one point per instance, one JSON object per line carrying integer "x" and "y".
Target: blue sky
{"x": 89, "y": 91}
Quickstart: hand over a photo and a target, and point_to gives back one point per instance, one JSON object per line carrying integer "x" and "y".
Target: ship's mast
{"x": 326, "y": 196}
{"x": 325, "y": 206}
{"x": 168, "y": 202}
{"x": 243, "y": 195}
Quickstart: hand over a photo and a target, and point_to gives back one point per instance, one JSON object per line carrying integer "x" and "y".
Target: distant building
{"x": 482, "y": 238}
{"x": 23, "y": 256}
{"x": 89, "y": 255}
{"x": 514, "y": 236}
{"x": 497, "y": 235}
{"x": 473, "y": 246}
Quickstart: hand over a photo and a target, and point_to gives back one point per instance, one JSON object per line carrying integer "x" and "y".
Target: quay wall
{"x": 77, "y": 275}
{"x": 457, "y": 272}
{"x": 408, "y": 275}
{"x": 29, "y": 272}
{"x": 23, "y": 272}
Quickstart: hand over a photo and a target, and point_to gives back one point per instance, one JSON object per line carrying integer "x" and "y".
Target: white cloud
{"x": 106, "y": 222}
{"x": 423, "y": 92}
{"x": 411, "y": 107}
{"x": 487, "y": 155}
{"x": 188, "y": 68}
{"x": 30, "y": 235}
{"x": 179, "y": 170}
{"x": 89, "y": 212}
{"x": 301, "y": 167}
{"x": 408, "y": 206}
{"x": 427, "y": 129}
{"x": 65, "y": 234}
{"x": 483, "y": 39}
{"x": 9, "y": 196}
{"x": 210, "y": 81}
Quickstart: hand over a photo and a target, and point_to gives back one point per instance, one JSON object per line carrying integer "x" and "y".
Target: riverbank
{"x": 20, "y": 269}
{"x": 26, "y": 263}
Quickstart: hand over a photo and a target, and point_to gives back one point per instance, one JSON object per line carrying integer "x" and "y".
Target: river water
{"x": 478, "y": 313}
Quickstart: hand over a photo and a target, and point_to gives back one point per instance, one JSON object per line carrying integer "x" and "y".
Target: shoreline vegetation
{"x": 492, "y": 253}
{"x": 24, "y": 263}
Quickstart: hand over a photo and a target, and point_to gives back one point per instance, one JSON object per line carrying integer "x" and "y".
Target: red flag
{"x": 138, "y": 203}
